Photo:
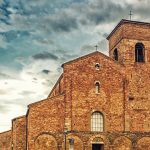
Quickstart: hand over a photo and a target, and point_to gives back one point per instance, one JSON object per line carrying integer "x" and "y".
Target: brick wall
{"x": 138, "y": 101}
{"x": 46, "y": 116}
{"x": 19, "y": 133}
{"x": 129, "y": 30}
{"x": 81, "y": 99}
{"x": 137, "y": 74}
{"x": 126, "y": 51}
{"x": 5, "y": 140}
{"x": 123, "y": 100}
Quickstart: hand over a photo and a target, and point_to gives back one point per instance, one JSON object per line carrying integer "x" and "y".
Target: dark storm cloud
{"x": 70, "y": 18}
{"x": 84, "y": 13}
{"x": 45, "y": 71}
{"x": 63, "y": 23}
{"x": 45, "y": 55}
{"x": 105, "y": 11}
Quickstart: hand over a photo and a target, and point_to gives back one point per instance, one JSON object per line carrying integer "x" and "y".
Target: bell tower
{"x": 129, "y": 42}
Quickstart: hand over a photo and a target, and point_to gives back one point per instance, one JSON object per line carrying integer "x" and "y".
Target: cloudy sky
{"x": 37, "y": 36}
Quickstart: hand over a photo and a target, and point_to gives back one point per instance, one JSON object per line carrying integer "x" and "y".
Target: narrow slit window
{"x": 97, "y": 87}
{"x": 115, "y": 54}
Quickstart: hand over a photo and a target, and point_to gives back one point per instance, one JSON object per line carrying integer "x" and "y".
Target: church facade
{"x": 98, "y": 103}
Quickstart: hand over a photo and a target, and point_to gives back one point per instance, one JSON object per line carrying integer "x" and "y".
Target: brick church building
{"x": 99, "y": 102}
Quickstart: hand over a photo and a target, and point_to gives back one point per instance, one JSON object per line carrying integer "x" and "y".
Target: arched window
{"x": 97, "y": 87}
{"x": 139, "y": 52}
{"x": 97, "y": 122}
{"x": 115, "y": 54}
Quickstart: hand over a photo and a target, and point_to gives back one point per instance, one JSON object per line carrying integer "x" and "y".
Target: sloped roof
{"x": 89, "y": 55}
{"x": 124, "y": 21}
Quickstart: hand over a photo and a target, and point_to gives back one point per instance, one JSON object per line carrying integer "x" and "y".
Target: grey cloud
{"x": 141, "y": 12}
{"x": 45, "y": 55}
{"x": 34, "y": 78}
{"x": 6, "y": 105}
{"x": 102, "y": 46}
{"x": 84, "y": 14}
{"x": 59, "y": 69}
{"x": 45, "y": 41}
{"x": 67, "y": 57}
{"x": 25, "y": 93}
{"x": 46, "y": 71}
{"x": 63, "y": 22}
{"x": 3, "y": 108}
{"x": 105, "y": 35}
{"x": 67, "y": 18}
{"x": 5, "y": 76}
{"x": 104, "y": 11}
{"x": 65, "y": 54}
{"x": 45, "y": 83}
{"x": 70, "y": 17}
{"x": 30, "y": 73}
{"x": 87, "y": 48}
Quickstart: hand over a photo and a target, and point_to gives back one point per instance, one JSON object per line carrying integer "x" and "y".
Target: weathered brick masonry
{"x": 19, "y": 137}
{"x": 114, "y": 87}
{"x": 5, "y": 140}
